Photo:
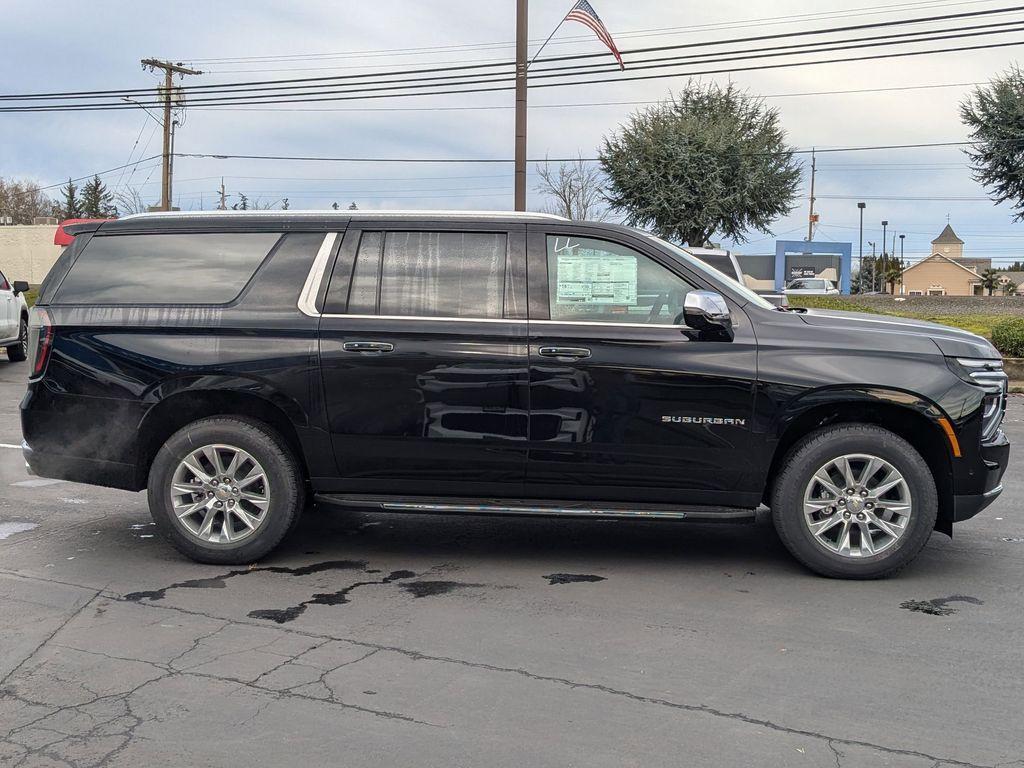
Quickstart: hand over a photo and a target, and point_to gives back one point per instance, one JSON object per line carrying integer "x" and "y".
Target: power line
{"x": 270, "y": 100}
{"x": 656, "y": 31}
{"x": 286, "y": 83}
{"x": 103, "y": 173}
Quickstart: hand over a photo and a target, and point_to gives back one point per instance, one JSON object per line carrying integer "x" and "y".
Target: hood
{"x": 951, "y": 342}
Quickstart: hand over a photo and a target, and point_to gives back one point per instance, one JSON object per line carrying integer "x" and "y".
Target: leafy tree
{"x": 70, "y": 207}
{"x": 1017, "y": 266}
{"x": 96, "y": 201}
{"x": 574, "y": 190}
{"x": 990, "y": 280}
{"x": 352, "y": 206}
{"x": 710, "y": 160}
{"x": 24, "y": 201}
{"x": 995, "y": 116}
{"x": 284, "y": 204}
{"x": 242, "y": 204}
{"x": 1010, "y": 288}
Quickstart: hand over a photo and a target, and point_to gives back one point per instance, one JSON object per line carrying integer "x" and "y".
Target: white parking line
{"x": 8, "y": 445}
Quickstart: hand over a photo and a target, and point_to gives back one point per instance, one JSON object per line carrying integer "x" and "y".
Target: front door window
{"x": 599, "y": 281}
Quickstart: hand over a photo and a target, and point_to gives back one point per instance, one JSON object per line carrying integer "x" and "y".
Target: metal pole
{"x": 810, "y": 214}
{"x": 902, "y": 263}
{"x": 522, "y": 41}
{"x": 860, "y": 262}
{"x": 881, "y": 284}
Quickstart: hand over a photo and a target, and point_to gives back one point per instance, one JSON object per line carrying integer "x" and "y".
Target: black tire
{"x": 268, "y": 448}
{"x": 18, "y": 352}
{"x": 828, "y": 443}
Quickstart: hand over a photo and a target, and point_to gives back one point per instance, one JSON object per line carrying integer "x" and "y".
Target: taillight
{"x": 40, "y": 339}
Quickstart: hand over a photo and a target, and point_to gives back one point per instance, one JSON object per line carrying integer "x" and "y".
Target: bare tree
{"x": 129, "y": 200}
{"x": 573, "y": 190}
{"x": 23, "y": 201}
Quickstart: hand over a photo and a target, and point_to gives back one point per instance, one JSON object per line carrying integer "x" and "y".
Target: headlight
{"x": 989, "y": 375}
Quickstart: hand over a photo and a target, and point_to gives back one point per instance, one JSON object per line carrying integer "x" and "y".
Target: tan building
{"x": 946, "y": 272}
{"x": 27, "y": 251}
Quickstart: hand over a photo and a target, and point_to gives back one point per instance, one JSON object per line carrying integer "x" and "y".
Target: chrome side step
{"x": 537, "y": 508}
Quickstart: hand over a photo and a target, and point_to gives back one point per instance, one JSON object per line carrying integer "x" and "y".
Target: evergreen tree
{"x": 96, "y": 201}
{"x": 70, "y": 207}
{"x": 711, "y": 160}
{"x": 995, "y": 116}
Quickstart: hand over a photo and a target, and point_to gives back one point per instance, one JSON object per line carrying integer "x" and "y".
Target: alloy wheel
{"x": 220, "y": 494}
{"x": 857, "y": 505}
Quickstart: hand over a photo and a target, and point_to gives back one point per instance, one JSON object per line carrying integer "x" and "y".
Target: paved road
{"x": 452, "y": 641}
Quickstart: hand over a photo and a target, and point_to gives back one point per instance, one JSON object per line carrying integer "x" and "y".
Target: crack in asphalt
{"x": 134, "y": 598}
{"x": 573, "y": 684}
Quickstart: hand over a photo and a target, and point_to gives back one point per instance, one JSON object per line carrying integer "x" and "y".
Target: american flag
{"x": 584, "y": 13}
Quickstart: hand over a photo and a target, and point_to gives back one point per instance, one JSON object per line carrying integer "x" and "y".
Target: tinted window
{"x": 601, "y": 281}
{"x": 4, "y": 285}
{"x": 165, "y": 269}
{"x": 362, "y": 296}
{"x": 436, "y": 274}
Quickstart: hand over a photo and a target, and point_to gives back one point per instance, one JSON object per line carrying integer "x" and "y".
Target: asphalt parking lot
{"x": 456, "y": 641}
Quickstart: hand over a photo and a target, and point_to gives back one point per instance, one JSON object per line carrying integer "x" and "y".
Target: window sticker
{"x": 590, "y": 276}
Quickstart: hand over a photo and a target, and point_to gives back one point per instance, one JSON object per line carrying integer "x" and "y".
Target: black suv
{"x": 240, "y": 366}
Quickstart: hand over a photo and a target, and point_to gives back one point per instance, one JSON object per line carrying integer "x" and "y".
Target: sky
{"x": 61, "y": 45}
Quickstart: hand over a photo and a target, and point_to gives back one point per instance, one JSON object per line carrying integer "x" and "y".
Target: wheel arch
{"x": 183, "y": 407}
{"x": 908, "y": 415}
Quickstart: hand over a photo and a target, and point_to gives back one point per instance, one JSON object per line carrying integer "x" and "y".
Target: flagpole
{"x": 546, "y": 42}
{"x": 522, "y": 52}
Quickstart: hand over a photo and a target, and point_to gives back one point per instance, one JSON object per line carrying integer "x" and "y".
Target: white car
{"x": 811, "y": 286}
{"x": 13, "y": 319}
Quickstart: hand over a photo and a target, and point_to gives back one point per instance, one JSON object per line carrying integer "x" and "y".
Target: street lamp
{"x": 881, "y": 284}
{"x": 860, "y": 263}
{"x": 902, "y": 263}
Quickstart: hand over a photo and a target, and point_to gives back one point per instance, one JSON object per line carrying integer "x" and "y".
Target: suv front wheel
{"x": 854, "y": 501}
{"x": 225, "y": 490}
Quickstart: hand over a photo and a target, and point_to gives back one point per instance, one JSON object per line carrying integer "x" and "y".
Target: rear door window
{"x": 208, "y": 268}
{"x": 430, "y": 274}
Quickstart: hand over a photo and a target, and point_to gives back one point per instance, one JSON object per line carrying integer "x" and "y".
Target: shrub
{"x": 1008, "y": 337}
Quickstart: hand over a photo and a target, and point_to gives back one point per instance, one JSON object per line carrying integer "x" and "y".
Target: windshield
{"x": 712, "y": 273}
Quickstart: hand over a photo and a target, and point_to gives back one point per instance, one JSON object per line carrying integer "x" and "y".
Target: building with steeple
{"x": 947, "y": 272}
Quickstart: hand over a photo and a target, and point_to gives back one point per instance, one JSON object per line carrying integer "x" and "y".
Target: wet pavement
{"x": 372, "y": 640}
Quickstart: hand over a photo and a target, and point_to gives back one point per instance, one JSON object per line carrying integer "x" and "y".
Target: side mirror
{"x": 20, "y": 286}
{"x": 707, "y": 311}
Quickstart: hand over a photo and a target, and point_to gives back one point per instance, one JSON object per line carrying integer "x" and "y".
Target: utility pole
{"x": 810, "y": 213}
{"x": 223, "y": 197}
{"x": 170, "y": 69}
{"x": 522, "y": 40}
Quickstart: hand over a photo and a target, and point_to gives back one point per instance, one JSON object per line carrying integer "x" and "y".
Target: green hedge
{"x": 1008, "y": 337}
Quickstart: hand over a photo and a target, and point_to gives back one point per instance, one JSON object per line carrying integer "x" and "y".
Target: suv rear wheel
{"x": 18, "y": 352}
{"x": 854, "y": 501}
{"x": 225, "y": 490}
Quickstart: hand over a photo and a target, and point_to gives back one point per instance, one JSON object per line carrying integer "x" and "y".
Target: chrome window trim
{"x": 338, "y": 316}
{"x": 315, "y": 278}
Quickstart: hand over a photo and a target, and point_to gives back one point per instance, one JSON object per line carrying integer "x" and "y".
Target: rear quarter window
{"x": 208, "y": 268}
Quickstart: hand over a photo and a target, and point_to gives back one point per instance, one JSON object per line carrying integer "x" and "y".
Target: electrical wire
{"x": 282, "y": 84}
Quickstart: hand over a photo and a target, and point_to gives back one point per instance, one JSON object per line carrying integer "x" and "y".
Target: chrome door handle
{"x": 367, "y": 346}
{"x": 575, "y": 352}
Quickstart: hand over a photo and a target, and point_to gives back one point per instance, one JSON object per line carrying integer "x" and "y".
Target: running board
{"x": 537, "y": 507}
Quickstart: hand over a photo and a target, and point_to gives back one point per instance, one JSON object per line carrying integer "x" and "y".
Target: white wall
{"x": 27, "y": 252}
